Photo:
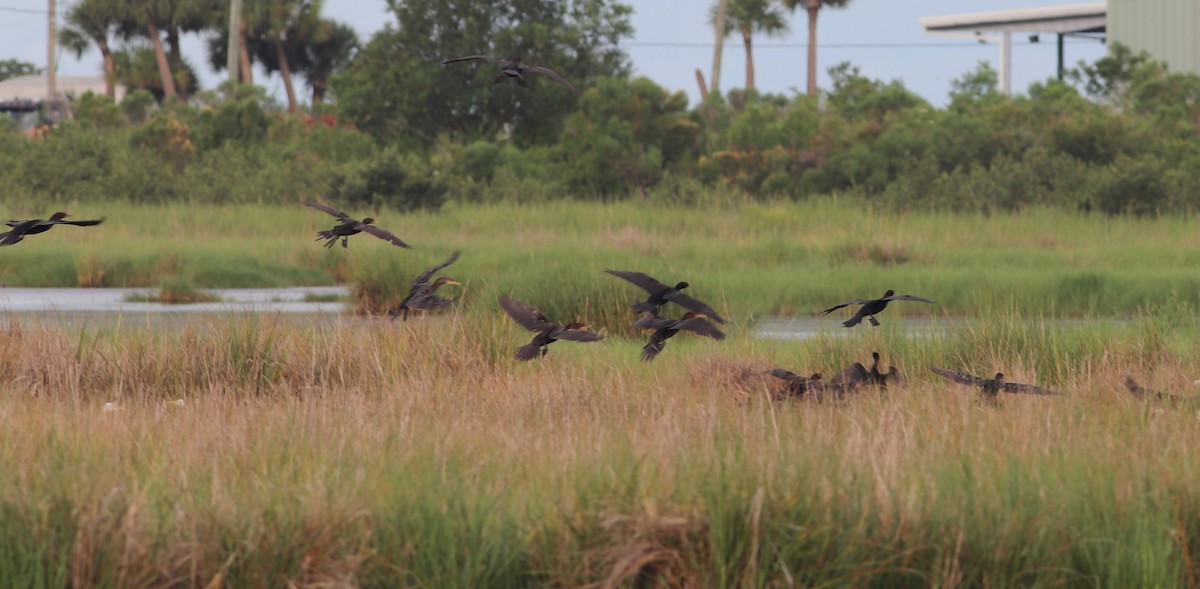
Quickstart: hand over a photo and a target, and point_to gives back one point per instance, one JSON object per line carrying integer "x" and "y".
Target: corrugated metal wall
{"x": 1167, "y": 29}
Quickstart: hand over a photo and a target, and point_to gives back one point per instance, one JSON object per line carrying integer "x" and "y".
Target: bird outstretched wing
{"x": 644, "y": 281}
{"x": 784, "y": 374}
{"x": 576, "y": 335}
{"x": 908, "y": 298}
{"x": 486, "y": 58}
{"x": 1026, "y": 389}
{"x": 87, "y": 223}
{"x": 700, "y": 325}
{"x": 525, "y": 315}
{"x": 549, "y": 73}
{"x": 386, "y": 236}
{"x": 696, "y": 305}
{"x": 845, "y": 304}
{"x": 652, "y": 321}
{"x": 957, "y": 376}
{"x": 424, "y": 277}
{"x": 343, "y": 217}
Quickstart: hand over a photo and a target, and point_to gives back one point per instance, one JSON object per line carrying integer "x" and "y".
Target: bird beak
{"x": 454, "y": 282}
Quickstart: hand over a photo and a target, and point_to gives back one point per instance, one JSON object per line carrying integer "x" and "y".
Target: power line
{"x": 23, "y": 10}
{"x": 930, "y": 45}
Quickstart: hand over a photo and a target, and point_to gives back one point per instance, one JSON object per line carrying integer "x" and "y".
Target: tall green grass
{"x": 749, "y": 259}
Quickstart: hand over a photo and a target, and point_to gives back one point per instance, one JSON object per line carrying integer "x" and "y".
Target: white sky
{"x": 672, "y": 39}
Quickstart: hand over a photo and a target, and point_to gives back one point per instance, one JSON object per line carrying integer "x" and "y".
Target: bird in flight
{"x": 991, "y": 387}
{"x": 351, "y": 226}
{"x": 515, "y": 69}
{"x": 661, "y": 294}
{"x": 548, "y": 331}
{"x": 665, "y": 328}
{"x": 20, "y": 229}
{"x": 872, "y": 307}
{"x": 422, "y": 294}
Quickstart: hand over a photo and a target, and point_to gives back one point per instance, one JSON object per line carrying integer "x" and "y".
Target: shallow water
{"x": 108, "y": 306}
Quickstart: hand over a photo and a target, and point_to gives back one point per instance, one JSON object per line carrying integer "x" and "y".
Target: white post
{"x": 51, "y": 86}
{"x": 1006, "y": 64}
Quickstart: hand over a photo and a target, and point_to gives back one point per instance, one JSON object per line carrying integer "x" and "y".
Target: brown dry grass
{"x": 345, "y": 453}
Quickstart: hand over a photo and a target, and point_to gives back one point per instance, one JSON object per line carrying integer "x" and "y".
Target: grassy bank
{"x": 369, "y": 453}
{"x": 750, "y": 259}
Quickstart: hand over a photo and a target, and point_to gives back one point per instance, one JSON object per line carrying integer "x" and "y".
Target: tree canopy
{"x": 398, "y": 91}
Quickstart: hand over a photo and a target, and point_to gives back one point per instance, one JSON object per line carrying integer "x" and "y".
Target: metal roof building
{"x": 998, "y": 27}
{"x": 1169, "y": 30}
{"x": 35, "y": 87}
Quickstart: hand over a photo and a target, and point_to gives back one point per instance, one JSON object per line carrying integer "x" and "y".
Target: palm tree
{"x": 749, "y": 17}
{"x": 330, "y": 46}
{"x": 813, "y": 7}
{"x": 149, "y": 17}
{"x": 281, "y": 19}
{"x": 92, "y": 21}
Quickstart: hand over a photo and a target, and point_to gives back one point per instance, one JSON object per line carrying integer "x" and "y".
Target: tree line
{"x": 1121, "y": 135}
{"x": 139, "y": 42}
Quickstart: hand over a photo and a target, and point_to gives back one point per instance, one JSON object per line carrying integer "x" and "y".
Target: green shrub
{"x": 1136, "y": 186}
{"x": 402, "y": 181}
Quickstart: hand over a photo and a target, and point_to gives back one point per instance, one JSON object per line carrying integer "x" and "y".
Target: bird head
{"x": 446, "y": 280}
{"x": 515, "y": 59}
{"x": 59, "y": 216}
{"x": 999, "y": 376}
{"x": 815, "y": 376}
{"x": 368, "y": 221}
{"x": 681, "y": 285}
{"x": 1130, "y": 383}
{"x": 875, "y": 356}
{"x": 889, "y": 293}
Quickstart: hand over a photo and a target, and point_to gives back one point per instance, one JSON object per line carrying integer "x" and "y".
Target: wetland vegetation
{"x": 381, "y": 454}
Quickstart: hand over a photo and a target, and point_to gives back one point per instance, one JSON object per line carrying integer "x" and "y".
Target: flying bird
{"x": 515, "y": 69}
{"x": 20, "y": 229}
{"x": 991, "y": 387}
{"x": 872, "y": 307}
{"x": 665, "y": 329}
{"x": 548, "y": 331}
{"x": 351, "y": 226}
{"x": 422, "y": 294}
{"x": 661, "y": 294}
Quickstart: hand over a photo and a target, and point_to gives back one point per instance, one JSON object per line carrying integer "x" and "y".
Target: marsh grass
{"x": 364, "y": 452}
{"x": 748, "y": 259}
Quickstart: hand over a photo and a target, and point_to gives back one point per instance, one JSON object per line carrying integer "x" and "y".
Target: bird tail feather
{"x": 527, "y": 352}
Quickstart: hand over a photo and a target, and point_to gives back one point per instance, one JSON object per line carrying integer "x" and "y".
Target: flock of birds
{"x": 698, "y": 319}
{"x": 422, "y": 296}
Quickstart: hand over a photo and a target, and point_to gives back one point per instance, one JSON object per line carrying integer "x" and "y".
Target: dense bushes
{"x": 1130, "y": 146}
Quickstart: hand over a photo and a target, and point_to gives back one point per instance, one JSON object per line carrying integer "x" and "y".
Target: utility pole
{"x": 232, "y": 59}
{"x": 720, "y": 48}
{"x": 51, "y": 87}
